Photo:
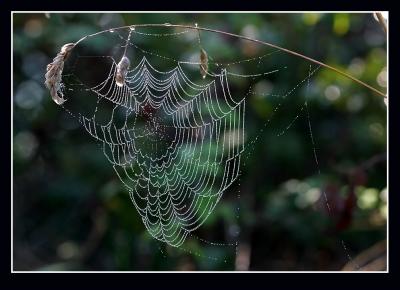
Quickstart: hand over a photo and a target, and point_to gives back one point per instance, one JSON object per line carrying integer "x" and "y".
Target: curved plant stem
{"x": 249, "y": 39}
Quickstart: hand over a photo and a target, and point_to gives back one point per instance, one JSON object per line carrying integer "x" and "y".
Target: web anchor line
{"x": 317, "y": 163}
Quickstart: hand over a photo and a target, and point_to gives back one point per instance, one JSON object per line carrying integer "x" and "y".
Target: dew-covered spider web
{"x": 171, "y": 128}
{"x": 175, "y": 182}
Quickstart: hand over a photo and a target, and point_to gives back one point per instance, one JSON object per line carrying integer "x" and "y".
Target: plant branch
{"x": 252, "y": 40}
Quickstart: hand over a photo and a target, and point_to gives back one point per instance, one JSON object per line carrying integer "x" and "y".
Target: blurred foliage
{"x": 71, "y": 212}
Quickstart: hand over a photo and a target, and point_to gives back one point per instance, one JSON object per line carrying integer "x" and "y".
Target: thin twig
{"x": 249, "y": 39}
{"x": 366, "y": 165}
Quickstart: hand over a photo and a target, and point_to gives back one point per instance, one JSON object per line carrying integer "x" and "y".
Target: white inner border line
{"x": 187, "y": 12}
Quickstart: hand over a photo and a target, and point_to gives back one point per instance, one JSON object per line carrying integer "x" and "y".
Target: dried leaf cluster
{"x": 54, "y": 72}
{"x": 203, "y": 63}
{"x": 122, "y": 71}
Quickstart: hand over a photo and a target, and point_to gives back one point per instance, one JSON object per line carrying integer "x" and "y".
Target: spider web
{"x": 167, "y": 139}
{"x": 180, "y": 180}
{"x": 175, "y": 143}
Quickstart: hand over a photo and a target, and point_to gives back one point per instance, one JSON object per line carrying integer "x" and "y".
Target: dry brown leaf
{"x": 122, "y": 71}
{"x": 54, "y": 73}
{"x": 203, "y": 63}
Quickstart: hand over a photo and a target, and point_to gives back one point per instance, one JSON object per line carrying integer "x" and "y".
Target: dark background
{"x": 70, "y": 212}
